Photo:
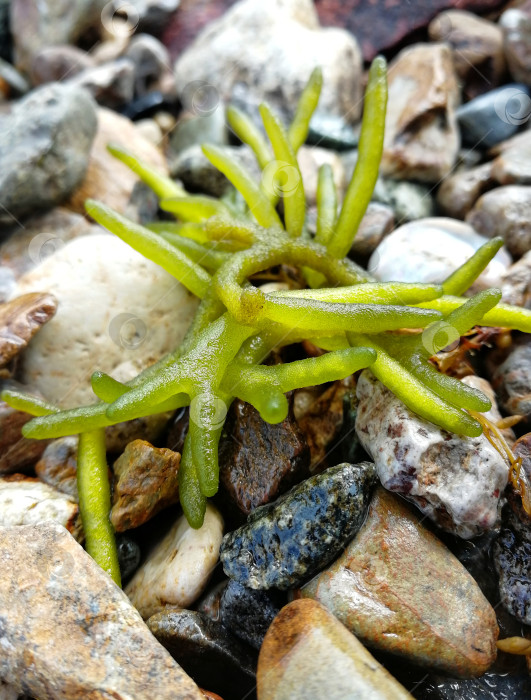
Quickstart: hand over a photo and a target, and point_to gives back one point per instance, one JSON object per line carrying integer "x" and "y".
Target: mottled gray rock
{"x": 409, "y": 200}
{"x": 332, "y": 131}
{"x": 505, "y": 212}
{"x": 454, "y": 480}
{"x": 285, "y": 542}
{"x": 516, "y": 26}
{"x": 192, "y": 129}
{"x": 477, "y": 47}
{"x": 271, "y": 48}
{"x": 62, "y": 612}
{"x": 421, "y": 136}
{"x": 429, "y": 250}
{"x": 458, "y": 192}
{"x": 35, "y": 25}
{"x": 27, "y": 501}
{"x": 154, "y": 15}
{"x": 378, "y": 221}
{"x": 516, "y": 283}
{"x": 207, "y": 651}
{"x": 494, "y": 116}
{"x": 44, "y": 147}
{"x": 309, "y": 655}
{"x": 129, "y": 555}
{"x": 152, "y": 65}
{"x": 248, "y": 613}
{"x": 178, "y": 567}
{"x": 400, "y": 590}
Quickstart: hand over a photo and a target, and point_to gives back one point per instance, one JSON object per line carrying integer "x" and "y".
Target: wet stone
{"x": 206, "y": 650}
{"x": 210, "y": 603}
{"x": 259, "y": 460}
{"x": 69, "y": 632}
{"x": 490, "y": 686}
{"x": 285, "y": 542}
{"x": 146, "y": 482}
{"x": 309, "y": 655}
{"x": 400, "y": 590}
{"x": 454, "y": 480}
{"x": 248, "y": 613}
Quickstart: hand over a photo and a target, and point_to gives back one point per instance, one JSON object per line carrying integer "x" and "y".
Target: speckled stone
{"x": 27, "y": 501}
{"x": 57, "y": 466}
{"x": 511, "y": 379}
{"x": 309, "y": 655}
{"x": 248, "y": 613}
{"x": 400, "y": 590}
{"x": 178, "y": 567}
{"x": 146, "y": 482}
{"x": 287, "y": 541}
{"x": 207, "y": 651}
{"x": 454, "y": 480}
{"x": 69, "y": 632}
{"x": 458, "y": 192}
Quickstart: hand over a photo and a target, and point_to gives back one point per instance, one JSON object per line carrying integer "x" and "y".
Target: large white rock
{"x": 270, "y": 48}
{"x": 429, "y": 250}
{"x": 454, "y": 480}
{"x": 117, "y": 312}
{"x": 178, "y": 567}
{"x": 28, "y": 501}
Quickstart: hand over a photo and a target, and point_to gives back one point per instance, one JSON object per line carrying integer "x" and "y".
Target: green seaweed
{"x": 215, "y": 249}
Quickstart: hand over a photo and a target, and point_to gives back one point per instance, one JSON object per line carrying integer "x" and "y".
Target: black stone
{"x": 207, "y": 651}
{"x": 490, "y": 686}
{"x": 285, "y": 542}
{"x": 512, "y": 558}
{"x": 128, "y": 556}
{"x": 248, "y": 613}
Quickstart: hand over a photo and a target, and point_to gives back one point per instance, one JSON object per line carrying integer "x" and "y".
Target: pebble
{"x": 331, "y": 131}
{"x": 492, "y": 117}
{"x": 429, "y": 250}
{"x": 177, "y": 569}
{"x": 279, "y": 41}
{"x": 27, "y": 246}
{"x": 154, "y": 15}
{"x": 456, "y": 481}
{"x": 477, "y": 47}
{"x": 516, "y": 25}
{"x": 504, "y": 212}
{"x": 57, "y": 466}
{"x": 35, "y": 26}
{"x": 192, "y": 129}
{"x": 152, "y": 66}
{"x": 286, "y": 542}
{"x": 309, "y": 655}
{"x": 56, "y": 63}
{"x": 145, "y": 482}
{"x": 69, "y": 632}
{"x": 111, "y": 84}
{"x": 409, "y": 200}
{"x": 513, "y": 164}
{"x": 27, "y": 501}
{"x": 458, "y": 193}
{"x": 17, "y": 453}
{"x": 400, "y": 590}
{"x": 490, "y": 686}
{"x": 248, "y": 613}
{"x": 310, "y": 159}
{"x": 209, "y": 603}
{"x": 207, "y": 651}
{"x": 512, "y": 557}
{"x": 129, "y": 555}
{"x": 378, "y": 221}
{"x": 20, "y": 319}
{"x": 108, "y": 180}
{"x": 44, "y": 149}
{"x": 126, "y": 325}
{"x": 516, "y": 283}
{"x": 421, "y": 137}
{"x": 258, "y": 460}
{"x": 511, "y": 379}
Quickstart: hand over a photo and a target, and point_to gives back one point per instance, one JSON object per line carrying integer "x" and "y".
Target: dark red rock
{"x": 257, "y": 460}
{"x": 380, "y": 25}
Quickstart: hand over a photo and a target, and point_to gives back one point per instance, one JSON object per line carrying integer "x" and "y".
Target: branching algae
{"x": 214, "y": 250}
